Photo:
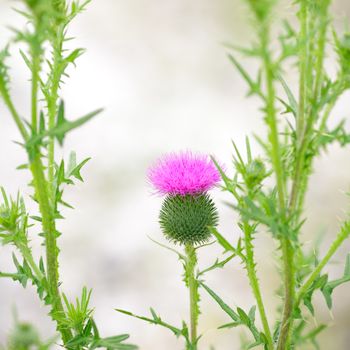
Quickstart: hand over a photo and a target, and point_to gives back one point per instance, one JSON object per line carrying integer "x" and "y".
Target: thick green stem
{"x": 51, "y": 158}
{"x": 273, "y": 126}
{"x": 301, "y": 143}
{"x": 289, "y": 292}
{"x": 254, "y": 282}
{"x": 309, "y": 90}
{"x": 42, "y": 193}
{"x": 303, "y": 58}
{"x": 52, "y": 106}
{"x": 192, "y": 284}
{"x": 307, "y": 84}
{"x": 320, "y": 54}
{"x": 49, "y": 228}
{"x": 35, "y": 82}
{"x": 287, "y": 249}
{"x": 286, "y": 246}
{"x": 48, "y": 223}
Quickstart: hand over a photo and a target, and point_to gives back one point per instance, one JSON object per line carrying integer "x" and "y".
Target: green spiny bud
{"x": 186, "y": 219}
{"x": 256, "y": 172}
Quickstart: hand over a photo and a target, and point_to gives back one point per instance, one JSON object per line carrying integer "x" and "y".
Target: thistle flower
{"x": 187, "y": 211}
{"x": 185, "y": 173}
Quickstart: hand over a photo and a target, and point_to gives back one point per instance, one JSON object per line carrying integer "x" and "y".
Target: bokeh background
{"x": 161, "y": 72}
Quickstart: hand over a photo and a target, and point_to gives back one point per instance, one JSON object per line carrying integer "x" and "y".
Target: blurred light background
{"x": 161, "y": 72}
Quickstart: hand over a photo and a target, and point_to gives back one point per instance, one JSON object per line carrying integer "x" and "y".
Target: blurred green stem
{"x": 287, "y": 249}
{"x": 8, "y": 275}
{"x": 35, "y": 81}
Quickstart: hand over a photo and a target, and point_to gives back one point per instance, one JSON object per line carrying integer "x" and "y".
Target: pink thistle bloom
{"x": 184, "y": 173}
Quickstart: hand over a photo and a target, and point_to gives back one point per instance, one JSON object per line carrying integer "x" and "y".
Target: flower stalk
{"x": 192, "y": 284}
{"x": 286, "y": 245}
{"x": 186, "y": 216}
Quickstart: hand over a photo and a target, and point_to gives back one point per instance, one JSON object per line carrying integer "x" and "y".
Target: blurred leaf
{"x": 328, "y": 289}
{"x": 254, "y": 86}
{"x": 293, "y": 105}
{"x": 63, "y": 126}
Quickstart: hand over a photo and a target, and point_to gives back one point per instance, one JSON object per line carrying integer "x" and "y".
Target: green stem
{"x": 306, "y": 79}
{"x": 302, "y": 142}
{"x": 52, "y": 105}
{"x": 254, "y": 282}
{"x": 35, "y": 82}
{"x": 303, "y": 72}
{"x": 192, "y": 284}
{"x": 42, "y": 193}
{"x": 305, "y": 127}
{"x": 272, "y": 122}
{"x": 8, "y": 275}
{"x": 289, "y": 292}
{"x": 286, "y": 245}
{"x": 48, "y": 224}
{"x": 320, "y": 54}
{"x": 303, "y": 93}
{"x": 287, "y": 249}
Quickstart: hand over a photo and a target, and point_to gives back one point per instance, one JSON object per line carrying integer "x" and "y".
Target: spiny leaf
{"x": 221, "y": 303}
{"x": 26, "y": 59}
{"x": 249, "y": 52}
{"x": 64, "y": 126}
{"x": 155, "y": 320}
{"x": 74, "y": 55}
{"x": 328, "y": 289}
{"x": 292, "y": 101}
{"x": 113, "y": 343}
{"x": 254, "y": 87}
{"x": 222, "y": 240}
{"x": 74, "y": 168}
{"x": 180, "y": 255}
{"x": 217, "y": 264}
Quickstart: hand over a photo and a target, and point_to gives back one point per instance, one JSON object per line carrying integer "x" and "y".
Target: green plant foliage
{"x": 43, "y": 52}
{"x": 24, "y": 336}
{"x": 298, "y": 131}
